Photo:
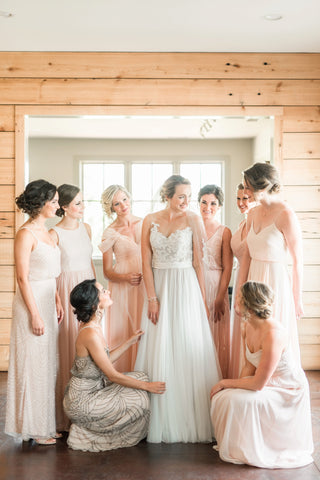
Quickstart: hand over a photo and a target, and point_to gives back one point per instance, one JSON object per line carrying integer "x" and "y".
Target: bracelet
{"x": 152, "y": 299}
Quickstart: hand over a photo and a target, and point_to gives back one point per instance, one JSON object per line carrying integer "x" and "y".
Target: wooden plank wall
{"x": 158, "y": 82}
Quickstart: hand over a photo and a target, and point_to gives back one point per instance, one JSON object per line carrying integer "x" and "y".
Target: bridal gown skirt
{"x": 179, "y": 350}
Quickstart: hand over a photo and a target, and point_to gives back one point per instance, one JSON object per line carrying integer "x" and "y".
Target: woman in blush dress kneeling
{"x": 107, "y": 409}
{"x": 263, "y": 418}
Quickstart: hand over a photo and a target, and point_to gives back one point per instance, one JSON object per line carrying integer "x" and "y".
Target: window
{"x": 144, "y": 180}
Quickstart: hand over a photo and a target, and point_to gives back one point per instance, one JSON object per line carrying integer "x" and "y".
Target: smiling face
{"x": 243, "y": 201}
{"x": 209, "y": 206}
{"x": 104, "y": 296}
{"x": 181, "y": 198}
{"x": 50, "y": 207}
{"x": 121, "y": 204}
{"x": 75, "y": 208}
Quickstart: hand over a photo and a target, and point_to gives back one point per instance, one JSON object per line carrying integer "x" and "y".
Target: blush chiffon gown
{"x": 124, "y": 316}
{"x": 179, "y": 349}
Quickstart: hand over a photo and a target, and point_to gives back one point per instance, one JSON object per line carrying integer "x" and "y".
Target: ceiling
{"x": 163, "y": 26}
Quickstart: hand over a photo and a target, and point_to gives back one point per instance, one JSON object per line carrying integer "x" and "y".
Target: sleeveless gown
{"x": 237, "y": 354}
{"x": 179, "y": 349}
{"x": 30, "y": 411}
{"x": 76, "y": 255}
{"x": 268, "y": 252}
{"x": 270, "y": 428}
{"x": 213, "y": 270}
{"x": 104, "y": 415}
{"x": 124, "y": 316}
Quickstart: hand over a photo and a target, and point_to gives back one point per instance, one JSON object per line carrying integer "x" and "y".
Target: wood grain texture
{"x": 6, "y": 118}
{"x": 301, "y": 119}
{"x": 6, "y": 144}
{"x": 301, "y": 145}
{"x": 7, "y": 198}
{"x": 4, "y": 357}
{"x": 311, "y": 304}
{"x": 310, "y": 224}
{"x": 6, "y": 299}
{"x": 6, "y": 224}
{"x": 303, "y": 198}
{"x": 6, "y": 251}
{"x": 310, "y": 357}
{"x": 7, "y": 278}
{"x": 5, "y": 327}
{"x": 159, "y": 65}
{"x": 7, "y": 171}
{"x": 301, "y": 172}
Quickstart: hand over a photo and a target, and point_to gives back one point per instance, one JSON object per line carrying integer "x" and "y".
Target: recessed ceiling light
{"x": 5, "y": 14}
{"x": 272, "y": 17}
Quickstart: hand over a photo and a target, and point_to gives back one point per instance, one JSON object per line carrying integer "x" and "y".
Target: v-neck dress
{"x": 124, "y": 315}
{"x": 268, "y": 252}
{"x": 33, "y": 359}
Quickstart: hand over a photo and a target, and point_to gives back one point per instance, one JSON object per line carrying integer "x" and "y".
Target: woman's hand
{"x": 60, "y": 312}
{"x": 134, "y": 278}
{"x": 37, "y": 325}
{"x": 299, "y": 309}
{"x": 218, "y": 309}
{"x": 136, "y": 337}
{"x": 216, "y": 388}
{"x": 156, "y": 387}
{"x": 153, "y": 311}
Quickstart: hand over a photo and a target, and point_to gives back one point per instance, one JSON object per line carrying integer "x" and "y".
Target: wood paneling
{"x": 301, "y": 145}
{"x": 4, "y": 357}
{"x": 7, "y": 198}
{"x": 310, "y": 224}
{"x": 303, "y": 198}
{"x": 6, "y": 305}
{"x": 311, "y": 278}
{"x": 6, "y": 224}
{"x": 311, "y": 251}
{"x": 311, "y": 304}
{"x": 6, "y": 118}
{"x": 7, "y": 278}
{"x": 158, "y": 65}
{"x": 5, "y": 325}
{"x": 309, "y": 327}
{"x": 6, "y": 251}
{"x": 159, "y": 92}
{"x": 301, "y": 119}
{"x": 301, "y": 172}
{"x": 6, "y": 144}
{"x": 310, "y": 356}
{"x": 6, "y": 171}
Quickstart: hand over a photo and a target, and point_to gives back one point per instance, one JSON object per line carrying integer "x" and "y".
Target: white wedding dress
{"x": 179, "y": 349}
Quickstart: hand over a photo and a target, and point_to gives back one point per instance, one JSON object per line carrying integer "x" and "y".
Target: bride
{"x": 177, "y": 346}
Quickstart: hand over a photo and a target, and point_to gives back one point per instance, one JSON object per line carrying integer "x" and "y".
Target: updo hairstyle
{"x": 258, "y": 298}
{"x": 212, "y": 190}
{"x": 107, "y": 198}
{"x": 168, "y": 189}
{"x": 85, "y": 300}
{"x": 35, "y": 196}
{"x": 66, "y": 194}
{"x": 261, "y": 176}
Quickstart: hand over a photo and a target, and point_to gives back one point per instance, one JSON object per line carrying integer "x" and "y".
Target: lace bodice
{"x": 174, "y": 251}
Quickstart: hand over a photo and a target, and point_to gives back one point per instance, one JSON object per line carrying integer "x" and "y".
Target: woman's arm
{"x": 227, "y": 262}
{"x": 287, "y": 223}
{"x": 109, "y": 273}
{"x": 118, "y": 351}
{"x": 272, "y": 347}
{"x": 146, "y": 254}
{"x": 88, "y": 228}
{"x": 93, "y": 344}
{"x": 23, "y": 246}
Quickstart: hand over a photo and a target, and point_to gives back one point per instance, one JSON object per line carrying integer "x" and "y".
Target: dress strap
{"x": 31, "y": 231}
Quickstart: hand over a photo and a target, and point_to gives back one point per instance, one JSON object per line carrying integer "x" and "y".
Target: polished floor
{"x": 28, "y": 461}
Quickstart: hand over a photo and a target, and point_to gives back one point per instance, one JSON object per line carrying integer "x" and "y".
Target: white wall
{"x": 56, "y": 160}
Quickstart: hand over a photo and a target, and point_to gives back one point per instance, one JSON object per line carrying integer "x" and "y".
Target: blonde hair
{"x": 168, "y": 189}
{"x": 261, "y": 176}
{"x": 107, "y": 198}
{"x": 258, "y": 298}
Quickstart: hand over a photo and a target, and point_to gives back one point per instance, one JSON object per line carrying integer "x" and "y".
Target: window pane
{"x": 92, "y": 178}
{"x": 147, "y": 179}
{"x": 113, "y": 174}
{"x": 94, "y": 217}
{"x": 141, "y": 181}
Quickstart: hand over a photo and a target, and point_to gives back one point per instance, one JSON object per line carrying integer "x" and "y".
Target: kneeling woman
{"x": 107, "y": 409}
{"x": 263, "y": 418}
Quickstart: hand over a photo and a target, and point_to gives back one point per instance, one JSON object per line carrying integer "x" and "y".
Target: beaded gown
{"x": 30, "y": 411}
{"x": 76, "y": 254}
{"x": 179, "y": 349}
{"x": 124, "y": 315}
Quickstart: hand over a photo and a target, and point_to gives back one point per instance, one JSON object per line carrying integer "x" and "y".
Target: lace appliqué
{"x": 174, "y": 251}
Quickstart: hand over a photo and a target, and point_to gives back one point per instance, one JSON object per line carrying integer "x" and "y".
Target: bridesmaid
{"x": 238, "y": 244}
{"x": 217, "y": 272}
{"x": 36, "y": 311}
{"x": 273, "y": 230}
{"x": 121, "y": 240}
{"x": 263, "y": 418}
{"x": 74, "y": 241}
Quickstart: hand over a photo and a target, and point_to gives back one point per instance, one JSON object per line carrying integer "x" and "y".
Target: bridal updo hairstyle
{"x": 85, "y": 300}
{"x": 212, "y": 190}
{"x": 258, "y": 298}
{"x": 66, "y": 194}
{"x": 168, "y": 189}
{"x": 261, "y": 176}
{"x": 35, "y": 196}
{"x": 107, "y": 198}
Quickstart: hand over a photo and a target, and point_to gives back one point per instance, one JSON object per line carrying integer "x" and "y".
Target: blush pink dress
{"x": 76, "y": 254}
{"x": 237, "y": 354}
{"x": 124, "y": 315}
{"x": 213, "y": 270}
